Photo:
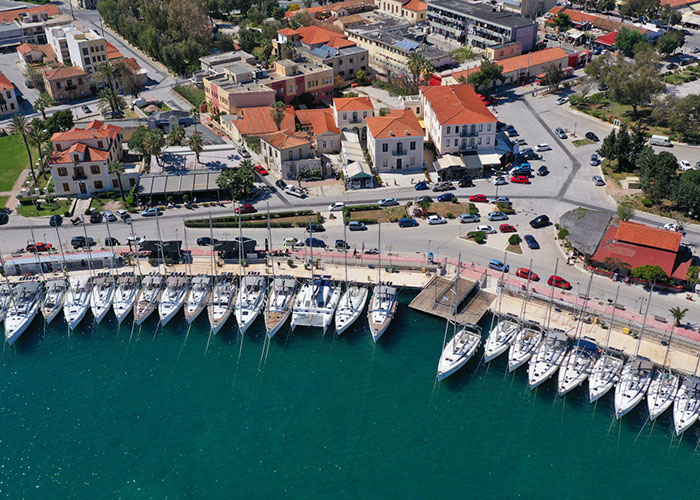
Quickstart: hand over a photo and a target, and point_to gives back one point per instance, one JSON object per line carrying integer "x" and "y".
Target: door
{"x": 399, "y": 163}
{"x": 82, "y": 187}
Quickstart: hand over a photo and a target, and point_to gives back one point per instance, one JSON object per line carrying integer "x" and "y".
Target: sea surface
{"x": 166, "y": 413}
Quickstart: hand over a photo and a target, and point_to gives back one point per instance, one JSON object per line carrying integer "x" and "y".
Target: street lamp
{"x": 427, "y": 256}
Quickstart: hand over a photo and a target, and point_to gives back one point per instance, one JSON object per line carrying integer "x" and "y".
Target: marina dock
{"x": 462, "y": 300}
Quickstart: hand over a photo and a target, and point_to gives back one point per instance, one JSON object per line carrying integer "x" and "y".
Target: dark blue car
{"x": 531, "y": 242}
{"x": 408, "y": 222}
{"x": 421, "y": 186}
{"x": 315, "y": 242}
{"x": 447, "y": 197}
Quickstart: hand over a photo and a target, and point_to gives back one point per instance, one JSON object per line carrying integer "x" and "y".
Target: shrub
{"x": 505, "y": 208}
{"x": 473, "y": 210}
{"x": 514, "y": 239}
{"x": 475, "y": 234}
{"x": 290, "y": 262}
{"x": 480, "y": 238}
{"x": 562, "y": 234}
{"x": 450, "y": 215}
{"x": 646, "y": 202}
{"x": 66, "y": 213}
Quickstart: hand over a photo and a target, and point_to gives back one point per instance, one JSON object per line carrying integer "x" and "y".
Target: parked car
{"x": 4, "y": 218}
{"x": 86, "y": 110}
{"x": 110, "y": 216}
{"x": 134, "y": 240}
{"x": 443, "y": 186}
{"x": 543, "y": 170}
{"x": 531, "y": 242}
{"x": 502, "y": 199}
{"x": 521, "y": 141}
{"x": 151, "y": 212}
{"x": 562, "y": 100}
{"x": 206, "y": 241}
{"x": 436, "y": 219}
{"x": 520, "y": 179}
{"x": 95, "y": 217}
{"x": 671, "y": 66}
{"x": 355, "y": 225}
{"x": 80, "y": 242}
{"x": 337, "y": 206}
{"x": 421, "y": 199}
{"x": 486, "y": 229}
{"x": 525, "y": 273}
{"x": 447, "y": 197}
{"x": 522, "y": 170}
{"x": 512, "y": 132}
{"x": 342, "y": 245}
{"x": 539, "y": 221}
{"x": 466, "y": 183}
{"x": 592, "y": 137}
{"x": 494, "y": 216}
{"x": 598, "y": 180}
{"x": 313, "y": 227}
{"x": 529, "y": 154}
{"x": 595, "y": 160}
{"x": 543, "y": 147}
{"x": 261, "y": 170}
{"x": 558, "y": 282}
{"x": 280, "y": 184}
{"x": 246, "y": 208}
{"x": 243, "y": 152}
{"x": 292, "y": 242}
{"x": 497, "y": 265}
{"x": 292, "y": 191}
{"x": 407, "y": 222}
{"x": 551, "y": 36}
{"x": 54, "y": 221}
{"x": 421, "y": 186}
{"x": 499, "y": 181}
{"x": 28, "y": 84}
{"x": 464, "y": 218}
{"x": 39, "y": 246}
{"x": 507, "y": 228}
{"x": 111, "y": 242}
{"x": 388, "y": 202}
{"x": 561, "y": 133}
{"x": 478, "y": 198}
{"x": 315, "y": 242}
{"x": 685, "y": 165}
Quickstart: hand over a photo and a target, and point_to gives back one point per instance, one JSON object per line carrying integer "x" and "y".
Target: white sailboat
{"x": 5, "y": 300}
{"x": 151, "y": 288}
{"x": 101, "y": 295}
{"x": 125, "y": 296}
{"x": 315, "y": 303}
{"x": 27, "y": 296}
{"x": 77, "y": 300}
{"x": 350, "y": 307}
{"x": 605, "y": 373}
{"x": 250, "y": 299}
{"x": 198, "y": 297}
{"x": 577, "y": 365}
{"x": 686, "y": 407}
{"x": 662, "y": 392}
{"x": 501, "y": 337}
{"x": 548, "y": 357}
{"x": 222, "y": 298}
{"x": 279, "y": 304}
{"x": 633, "y": 385}
{"x": 524, "y": 345}
{"x": 382, "y": 307}
{"x": 458, "y": 350}
{"x": 55, "y": 292}
{"x": 173, "y": 297}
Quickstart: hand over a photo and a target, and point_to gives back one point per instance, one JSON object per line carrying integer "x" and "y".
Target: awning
{"x": 356, "y": 170}
{"x": 447, "y": 161}
{"x": 489, "y": 157}
{"x": 574, "y": 34}
{"x": 472, "y": 163}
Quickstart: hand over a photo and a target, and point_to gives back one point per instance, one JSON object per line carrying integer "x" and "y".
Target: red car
{"x": 558, "y": 282}
{"x": 39, "y": 247}
{"x": 478, "y": 198}
{"x": 507, "y": 228}
{"x": 246, "y": 209}
{"x": 525, "y": 273}
{"x": 260, "y": 169}
{"x": 520, "y": 179}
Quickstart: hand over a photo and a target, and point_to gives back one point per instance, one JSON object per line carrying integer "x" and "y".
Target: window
{"x": 488, "y": 140}
{"x": 324, "y": 144}
{"x": 364, "y": 114}
{"x": 481, "y": 127}
{"x": 488, "y": 127}
{"x": 132, "y": 182}
{"x": 447, "y": 143}
{"x": 479, "y": 140}
{"x": 385, "y": 163}
{"x": 412, "y": 146}
{"x": 62, "y": 171}
{"x": 92, "y": 49}
{"x": 94, "y": 169}
{"x": 115, "y": 183}
{"x": 58, "y": 148}
{"x": 413, "y": 160}
{"x": 99, "y": 144}
{"x": 98, "y": 185}
{"x": 385, "y": 148}
{"x": 66, "y": 187}
{"x": 58, "y": 85}
{"x": 345, "y": 116}
{"x": 448, "y": 131}
{"x": 85, "y": 51}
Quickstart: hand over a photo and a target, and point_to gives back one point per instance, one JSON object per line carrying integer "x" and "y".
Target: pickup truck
{"x": 291, "y": 190}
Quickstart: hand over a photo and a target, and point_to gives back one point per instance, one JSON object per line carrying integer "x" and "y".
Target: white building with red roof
{"x": 351, "y": 113}
{"x": 80, "y": 160}
{"x": 321, "y": 125}
{"x": 288, "y": 153}
{"x": 395, "y": 141}
{"x": 8, "y": 97}
{"x": 412, "y": 11}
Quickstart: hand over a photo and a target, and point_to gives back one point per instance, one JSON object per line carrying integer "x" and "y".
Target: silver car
{"x": 497, "y": 216}
{"x": 464, "y": 218}
{"x": 110, "y": 216}
{"x": 598, "y": 180}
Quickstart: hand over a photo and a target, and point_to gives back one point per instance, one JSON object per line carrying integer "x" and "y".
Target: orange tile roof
{"x": 64, "y": 72}
{"x": 25, "y": 48}
{"x": 641, "y": 234}
{"x": 311, "y": 11}
{"x": 352, "y": 103}
{"x": 603, "y": 22}
{"x": 287, "y": 32}
{"x": 522, "y": 62}
{"x": 677, "y": 3}
{"x": 5, "y": 84}
{"x": 416, "y": 5}
{"x": 112, "y": 52}
{"x": 286, "y": 139}
{"x": 398, "y": 123}
{"x": 91, "y": 154}
{"x": 46, "y": 49}
{"x": 457, "y": 105}
{"x": 94, "y": 130}
{"x": 315, "y": 35}
{"x": 348, "y": 4}
{"x": 321, "y": 121}
{"x": 8, "y": 16}
{"x": 258, "y": 120}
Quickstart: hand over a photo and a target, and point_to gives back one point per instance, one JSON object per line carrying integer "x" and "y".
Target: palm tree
{"x": 416, "y": 64}
{"x": 176, "y": 136}
{"x": 37, "y": 137}
{"x": 20, "y": 125}
{"x": 40, "y": 105}
{"x": 278, "y": 110}
{"x": 116, "y": 168}
{"x": 678, "y": 314}
{"x": 153, "y": 144}
{"x": 196, "y": 144}
{"x": 288, "y": 50}
{"x": 195, "y": 116}
{"x": 108, "y": 73}
{"x": 427, "y": 70}
{"x": 111, "y": 102}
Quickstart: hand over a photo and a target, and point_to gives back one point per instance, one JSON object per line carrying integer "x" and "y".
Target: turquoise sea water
{"x": 101, "y": 415}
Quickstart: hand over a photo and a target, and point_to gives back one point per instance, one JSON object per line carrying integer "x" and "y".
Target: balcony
{"x": 399, "y": 153}
{"x": 70, "y": 87}
{"x": 80, "y": 177}
{"x": 468, "y": 133}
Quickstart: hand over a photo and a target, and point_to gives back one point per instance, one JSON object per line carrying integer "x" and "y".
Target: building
{"x": 8, "y": 97}
{"x": 585, "y": 20}
{"x": 320, "y": 124}
{"x": 254, "y": 122}
{"x": 528, "y": 8}
{"x": 326, "y": 47}
{"x": 168, "y": 120}
{"x": 456, "y": 120}
{"x": 337, "y": 9}
{"x": 395, "y": 141}
{"x": 351, "y": 113}
{"x": 480, "y": 26}
{"x": 212, "y": 64}
{"x": 412, "y": 11}
{"x": 31, "y": 54}
{"x": 82, "y": 48}
{"x": 288, "y": 153}
{"x": 351, "y": 21}
{"x": 503, "y": 51}
{"x": 66, "y": 83}
{"x": 28, "y": 24}
{"x": 390, "y": 45}
{"x": 80, "y": 159}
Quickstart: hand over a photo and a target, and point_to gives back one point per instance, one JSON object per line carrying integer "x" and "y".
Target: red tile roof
{"x": 311, "y": 11}
{"x": 353, "y": 104}
{"x": 321, "y": 121}
{"x": 641, "y": 234}
{"x": 398, "y": 123}
{"x": 95, "y": 130}
{"x": 416, "y": 5}
{"x": 607, "y": 39}
{"x": 677, "y": 3}
{"x": 286, "y": 32}
{"x": 286, "y": 139}
{"x": 5, "y": 84}
{"x": 25, "y": 48}
{"x": 315, "y": 35}
{"x": 523, "y": 61}
{"x": 258, "y": 120}
{"x": 64, "y": 72}
{"x": 45, "y": 49}
{"x": 112, "y": 52}
{"x": 91, "y": 154}
{"x": 9, "y": 15}
{"x": 606, "y": 23}
{"x": 457, "y": 105}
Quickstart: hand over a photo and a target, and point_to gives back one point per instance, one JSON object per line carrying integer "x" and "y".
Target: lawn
{"x": 14, "y": 160}
{"x": 514, "y": 248}
{"x": 194, "y": 95}
{"x": 3, "y": 201}
{"x": 55, "y": 208}
{"x": 371, "y": 216}
{"x": 581, "y": 142}
{"x": 451, "y": 210}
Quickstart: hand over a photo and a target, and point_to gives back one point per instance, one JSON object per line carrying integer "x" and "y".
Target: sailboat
{"x": 382, "y": 307}
{"x": 151, "y": 288}
{"x": 125, "y": 295}
{"x": 279, "y": 303}
{"x": 222, "y": 298}
{"x": 524, "y": 345}
{"x": 633, "y": 385}
{"x": 606, "y": 371}
{"x": 577, "y": 365}
{"x": 686, "y": 407}
{"x": 55, "y": 292}
{"x": 458, "y": 350}
{"x": 353, "y": 300}
{"x": 101, "y": 295}
{"x": 250, "y": 299}
{"x": 173, "y": 297}
{"x": 547, "y": 358}
{"x": 500, "y": 338}
{"x": 23, "y": 309}
{"x": 663, "y": 388}
{"x": 5, "y": 300}
{"x": 77, "y": 300}
{"x": 198, "y": 297}
{"x": 315, "y": 303}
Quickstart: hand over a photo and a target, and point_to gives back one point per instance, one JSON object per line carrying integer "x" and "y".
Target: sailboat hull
{"x": 662, "y": 392}
{"x": 349, "y": 309}
{"x": 605, "y": 374}
{"x": 686, "y": 408}
{"x": 50, "y": 314}
{"x": 450, "y": 361}
{"x": 15, "y": 326}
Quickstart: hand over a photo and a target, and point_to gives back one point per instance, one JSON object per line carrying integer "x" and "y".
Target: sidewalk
{"x": 12, "y": 200}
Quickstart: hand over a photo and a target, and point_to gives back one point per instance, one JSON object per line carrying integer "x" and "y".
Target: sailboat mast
{"x": 36, "y": 254}
{"x": 133, "y": 238}
{"x": 345, "y": 239}
{"x": 60, "y": 247}
{"x": 612, "y": 317}
{"x": 644, "y": 320}
{"x": 269, "y": 239}
{"x": 211, "y": 244}
{"x": 111, "y": 246}
{"x": 379, "y": 256}
{"x": 89, "y": 247}
{"x": 240, "y": 255}
{"x": 311, "y": 248}
{"x": 551, "y": 296}
{"x": 160, "y": 240}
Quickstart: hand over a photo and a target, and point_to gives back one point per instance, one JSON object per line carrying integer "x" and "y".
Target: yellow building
{"x": 412, "y": 11}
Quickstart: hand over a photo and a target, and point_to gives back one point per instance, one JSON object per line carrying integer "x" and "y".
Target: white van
{"x": 660, "y": 140}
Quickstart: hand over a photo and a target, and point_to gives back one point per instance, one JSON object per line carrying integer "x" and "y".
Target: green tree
{"x": 623, "y": 149}
{"x": 625, "y": 210}
{"x": 608, "y": 149}
{"x": 416, "y": 64}
{"x": 678, "y": 314}
{"x": 635, "y": 83}
{"x": 36, "y": 78}
{"x": 553, "y": 76}
{"x": 116, "y": 168}
{"x": 650, "y": 273}
{"x": 627, "y": 39}
{"x": 289, "y": 50}
{"x": 60, "y": 121}
{"x": 667, "y": 43}
{"x": 361, "y": 77}
{"x": 111, "y": 102}
{"x": 600, "y": 67}
{"x": 657, "y": 174}
{"x": 154, "y": 143}
{"x": 20, "y": 125}
{"x": 196, "y": 144}
{"x": 248, "y": 39}
{"x": 239, "y": 182}
{"x": 639, "y": 141}
{"x": 137, "y": 140}
{"x": 684, "y": 118}
{"x": 605, "y": 5}
{"x": 637, "y": 8}
{"x": 686, "y": 192}
{"x": 195, "y": 114}
{"x": 278, "y": 111}
{"x": 489, "y": 73}
{"x": 38, "y": 138}
{"x": 562, "y": 21}
{"x": 464, "y": 54}
{"x": 40, "y": 105}
{"x": 176, "y": 136}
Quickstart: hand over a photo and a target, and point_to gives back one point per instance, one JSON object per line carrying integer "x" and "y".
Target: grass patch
{"x": 371, "y": 215}
{"x": 3, "y": 201}
{"x": 514, "y": 248}
{"x": 193, "y": 95}
{"x": 298, "y": 218}
{"x": 457, "y": 209}
{"x": 14, "y": 160}
{"x": 99, "y": 203}
{"x": 53, "y": 208}
{"x": 581, "y": 142}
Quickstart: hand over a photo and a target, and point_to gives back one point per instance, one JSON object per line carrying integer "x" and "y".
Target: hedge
{"x": 255, "y": 220}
